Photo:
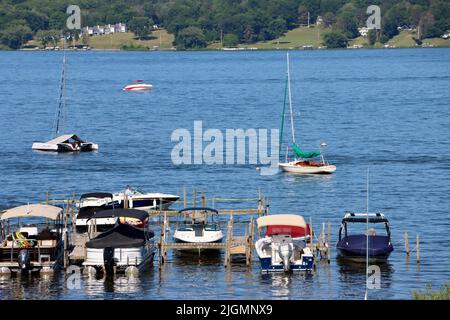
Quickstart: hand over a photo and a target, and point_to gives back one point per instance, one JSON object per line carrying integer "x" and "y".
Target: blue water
{"x": 384, "y": 109}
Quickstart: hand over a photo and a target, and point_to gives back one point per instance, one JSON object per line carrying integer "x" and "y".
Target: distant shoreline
{"x": 221, "y": 50}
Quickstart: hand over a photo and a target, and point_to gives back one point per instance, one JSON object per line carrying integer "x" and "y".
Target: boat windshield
{"x": 191, "y": 226}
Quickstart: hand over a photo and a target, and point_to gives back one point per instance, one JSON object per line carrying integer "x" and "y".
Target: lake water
{"x": 384, "y": 109}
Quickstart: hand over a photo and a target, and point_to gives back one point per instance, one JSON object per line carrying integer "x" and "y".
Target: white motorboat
{"x": 301, "y": 163}
{"x": 34, "y": 240}
{"x": 139, "y": 85}
{"x": 128, "y": 247}
{"x": 196, "y": 228}
{"x": 61, "y": 141}
{"x": 283, "y": 247}
{"x": 142, "y": 200}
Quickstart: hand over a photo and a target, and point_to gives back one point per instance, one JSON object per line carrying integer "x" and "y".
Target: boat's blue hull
{"x": 355, "y": 247}
{"x": 267, "y": 266}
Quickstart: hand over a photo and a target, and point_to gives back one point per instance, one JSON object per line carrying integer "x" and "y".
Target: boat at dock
{"x": 198, "y": 226}
{"x": 360, "y": 246}
{"x": 139, "y": 199}
{"x": 89, "y": 205}
{"x": 301, "y": 164}
{"x": 61, "y": 141}
{"x": 32, "y": 239}
{"x": 284, "y": 245}
{"x": 128, "y": 247}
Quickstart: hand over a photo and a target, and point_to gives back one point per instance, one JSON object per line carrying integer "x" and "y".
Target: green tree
{"x": 335, "y": 39}
{"x": 329, "y": 19}
{"x": 48, "y": 36}
{"x": 190, "y": 38}
{"x": 140, "y": 26}
{"x": 230, "y": 40}
{"x": 347, "y": 22}
{"x": 372, "y": 36}
{"x": 15, "y": 35}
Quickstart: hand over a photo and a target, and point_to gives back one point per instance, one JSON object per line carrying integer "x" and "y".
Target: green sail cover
{"x": 299, "y": 153}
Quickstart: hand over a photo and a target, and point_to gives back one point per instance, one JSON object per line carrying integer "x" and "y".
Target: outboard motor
{"x": 285, "y": 252}
{"x": 108, "y": 259}
{"x": 24, "y": 260}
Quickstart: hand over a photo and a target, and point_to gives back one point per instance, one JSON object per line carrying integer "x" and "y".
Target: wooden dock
{"x": 233, "y": 245}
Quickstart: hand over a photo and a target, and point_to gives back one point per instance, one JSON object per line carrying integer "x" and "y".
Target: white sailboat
{"x": 301, "y": 163}
{"x": 63, "y": 142}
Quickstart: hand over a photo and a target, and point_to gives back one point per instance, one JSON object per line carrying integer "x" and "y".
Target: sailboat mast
{"x": 367, "y": 236}
{"x": 290, "y": 98}
{"x": 60, "y": 117}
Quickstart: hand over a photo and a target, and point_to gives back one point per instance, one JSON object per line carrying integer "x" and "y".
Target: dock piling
{"x": 418, "y": 248}
{"x": 406, "y": 243}
{"x": 329, "y": 243}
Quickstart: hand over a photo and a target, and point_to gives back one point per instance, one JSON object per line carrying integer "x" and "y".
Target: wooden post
{"x": 125, "y": 200}
{"x": 47, "y": 198}
{"x": 311, "y": 241}
{"x": 406, "y": 243}
{"x": 73, "y": 216}
{"x": 194, "y": 201}
{"x": 184, "y": 197}
{"x": 66, "y": 234}
{"x": 418, "y": 248}
{"x": 203, "y": 199}
{"x": 260, "y": 202}
{"x": 329, "y": 243}
{"x": 250, "y": 243}
{"x": 228, "y": 243}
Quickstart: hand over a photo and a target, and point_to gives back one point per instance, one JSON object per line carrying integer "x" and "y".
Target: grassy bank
{"x": 442, "y": 294}
{"x": 293, "y": 39}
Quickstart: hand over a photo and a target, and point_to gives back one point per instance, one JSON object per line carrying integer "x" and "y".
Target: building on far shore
{"x": 106, "y": 29}
{"x": 363, "y": 31}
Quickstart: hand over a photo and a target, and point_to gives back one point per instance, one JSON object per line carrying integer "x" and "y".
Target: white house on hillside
{"x": 107, "y": 29}
{"x": 363, "y": 31}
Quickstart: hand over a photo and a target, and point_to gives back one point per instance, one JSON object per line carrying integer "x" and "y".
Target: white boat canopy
{"x": 65, "y": 138}
{"x": 33, "y": 210}
{"x": 281, "y": 219}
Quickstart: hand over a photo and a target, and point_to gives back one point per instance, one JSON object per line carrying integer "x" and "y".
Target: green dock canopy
{"x": 299, "y": 153}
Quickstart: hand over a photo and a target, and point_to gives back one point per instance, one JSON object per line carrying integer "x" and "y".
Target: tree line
{"x": 197, "y": 23}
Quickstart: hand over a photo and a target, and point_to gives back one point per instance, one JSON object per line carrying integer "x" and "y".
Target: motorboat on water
{"x": 142, "y": 200}
{"x": 354, "y": 246}
{"x": 65, "y": 143}
{"x": 61, "y": 141}
{"x": 128, "y": 247}
{"x": 302, "y": 163}
{"x": 31, "y": 239}
{"x": 283, "y": 248}
{"x": 198, "y": 226}
{"x": 138, "y": 85}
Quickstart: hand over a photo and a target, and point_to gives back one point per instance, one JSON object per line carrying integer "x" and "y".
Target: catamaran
{"x": 301, "y": 163}
{"x": 62, "y": 142}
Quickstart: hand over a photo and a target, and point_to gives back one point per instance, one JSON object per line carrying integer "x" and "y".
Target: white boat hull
{"x": 139, "y": 257}
{"x": 269, "y": 256}
{"x": 293, "y": 168}
{"x": 138, "y": 87}
{"x": 64, "y": 147}
{"x": 190, "y": 237}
